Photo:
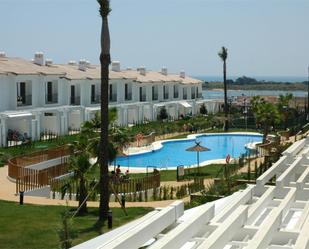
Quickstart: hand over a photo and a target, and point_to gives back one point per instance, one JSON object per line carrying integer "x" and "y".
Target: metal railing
{"x": 75, "y": 100}
{"x": 96, "y": 99}
{"x": 155, "y": 96}
{"x": 51, "y": 98}
{"x": 24, "y": 100}
{"x": 142, "y": 98}
{"x": 128, "y": 96}
{"x": 113, "y": 97}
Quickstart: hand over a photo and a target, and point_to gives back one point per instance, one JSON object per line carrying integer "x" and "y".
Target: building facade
{"x": 38, "y": 95}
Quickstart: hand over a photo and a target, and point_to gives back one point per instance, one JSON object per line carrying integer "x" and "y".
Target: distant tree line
{"x": 248, "y": 83}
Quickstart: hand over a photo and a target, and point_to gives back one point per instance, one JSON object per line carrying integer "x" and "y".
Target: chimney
{"x": 164, "y": 71}
{"x": 72, "y": 63}
{"x": 82, "y": 65}
{"x": 48, "y": 62}
{"x": 142, "y": 70}
{"x": 182, "y": 74}
{"x": 2, "y": 54}
{"x": 39, "y": 58}
{"x": 116, "y": 66}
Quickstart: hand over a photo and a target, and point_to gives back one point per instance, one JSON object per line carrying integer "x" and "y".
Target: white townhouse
{"x": 38, "y": 96}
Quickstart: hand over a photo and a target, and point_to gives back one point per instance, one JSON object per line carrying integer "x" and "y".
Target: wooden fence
{"x": 123, "y": 186}
{"x": 34, "y": 158}
{"x": 29, "y": 178}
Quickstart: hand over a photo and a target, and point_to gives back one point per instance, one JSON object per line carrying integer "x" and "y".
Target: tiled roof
{"x": 24, "y": 67}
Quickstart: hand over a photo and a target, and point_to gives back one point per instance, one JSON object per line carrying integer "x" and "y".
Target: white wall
{"x": 50, "y": 123}
{"x": 74, "y": 120}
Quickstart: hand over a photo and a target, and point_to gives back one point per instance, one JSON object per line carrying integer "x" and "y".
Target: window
{"x": 72, "y": 94}
{"x": 93, "y": 93}
{"x": 126, "y": 91}
{"x": 49, "y": 92}
{"x": 165, "y": 92}
{"x": 176, "y": 93}
{"x": 184, "y": 93}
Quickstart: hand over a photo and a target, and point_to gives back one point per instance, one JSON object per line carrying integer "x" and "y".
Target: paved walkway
{"x": 7, "y": 192}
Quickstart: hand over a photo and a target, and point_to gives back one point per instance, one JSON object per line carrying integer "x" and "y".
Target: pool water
{"x": 173, "y": 153}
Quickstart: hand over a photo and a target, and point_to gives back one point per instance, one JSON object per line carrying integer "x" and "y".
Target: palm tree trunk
{"x": 82, "y": 205}
{"x": 265, "y": 133}
{"x": 103, "y": 154}
{"x": 226, "y": 123}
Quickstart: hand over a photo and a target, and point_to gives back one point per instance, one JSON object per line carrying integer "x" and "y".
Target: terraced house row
{"x": 37, "y": 95}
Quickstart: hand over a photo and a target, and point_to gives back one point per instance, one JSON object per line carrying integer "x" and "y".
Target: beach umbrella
{"x": 198, "y": 148}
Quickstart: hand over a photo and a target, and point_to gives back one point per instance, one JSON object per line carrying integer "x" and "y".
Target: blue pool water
{"x": 173, "y": 153}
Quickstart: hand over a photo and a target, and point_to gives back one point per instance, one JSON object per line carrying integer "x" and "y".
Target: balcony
{"x": 142, "y": 98}
{"x": 113, "y": 97}
{"x": 96, "y": 99}
{"x": 128, "y": 97}
{"x": 176, "y": 95}
{"x": 24, "y": 100}
{"x": 75, "y": 100}
{"x": 51, "y": 98}
{"x": 165, "y": 95}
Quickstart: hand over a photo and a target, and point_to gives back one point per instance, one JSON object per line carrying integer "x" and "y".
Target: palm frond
{"x": 104, "y": 7}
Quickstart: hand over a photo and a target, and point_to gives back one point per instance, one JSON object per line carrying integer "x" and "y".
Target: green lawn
{"x": 36, "y": 227}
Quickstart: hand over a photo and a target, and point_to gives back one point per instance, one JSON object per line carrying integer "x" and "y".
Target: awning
{"x": 18, "y": 115}
{"x": 185, "y": 104}
{"x": 160, "y": 105}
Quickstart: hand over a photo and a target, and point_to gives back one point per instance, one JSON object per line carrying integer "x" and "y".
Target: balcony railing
{"x": 176, "y": 95}
{"x": 24, "y": 100}
{"x": 142, "y": 98}
{"x": 165, "y": 95}
{"x": 51, "y": 98}
{"x": 75, "y": 100}
{"x": 113, "y": 97}
{"x": 128, "y": 97}
{"x": 155, "y": 96}
{"x": 96, "y": 99}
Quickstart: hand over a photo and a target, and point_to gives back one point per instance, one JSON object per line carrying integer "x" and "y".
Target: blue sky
{"x": 264, "y": 37}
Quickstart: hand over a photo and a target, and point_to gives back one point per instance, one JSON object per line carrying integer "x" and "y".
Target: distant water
{"x": 266, "y": 78}
{"x": 218, "y": 94}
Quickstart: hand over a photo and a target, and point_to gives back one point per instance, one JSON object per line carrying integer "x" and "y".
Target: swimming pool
{"x": 173, "y": 152}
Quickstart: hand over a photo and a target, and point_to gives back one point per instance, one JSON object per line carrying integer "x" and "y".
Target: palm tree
{"x": 80, "y": 165}
{"x": 223, "y": 55}
{"x": 105, "y": 61}
{"x": 284, "y": 107}
{"x": 265, "y": 113}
